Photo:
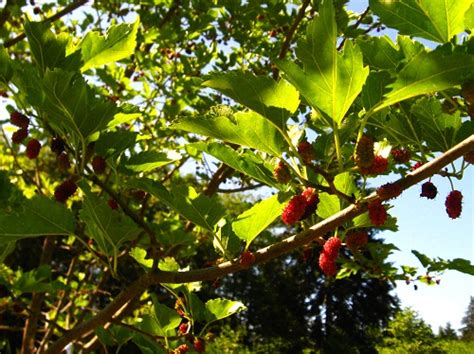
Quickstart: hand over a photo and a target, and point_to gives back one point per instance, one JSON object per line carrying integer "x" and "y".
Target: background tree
{"x": 467, "y": 331}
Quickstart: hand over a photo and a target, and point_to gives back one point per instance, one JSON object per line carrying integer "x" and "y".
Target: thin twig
{"x": 68, "y": 9}
{"x": 289, "y": 35}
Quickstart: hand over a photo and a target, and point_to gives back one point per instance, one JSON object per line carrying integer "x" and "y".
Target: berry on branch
{"x": 377, "y": 213}
{"x": 312, "y": 200}
{"x": 247, "y": 258}
{"x": 33, "y": 149}
{"x": 112, "y": 204}
{"x": 99, "y": 165}
{"x": 364, "y": 155}
{"x": 294, "y": 210}
{"x": 331, "y": 247}
{"x": 19, "y": 135}
{"x": 428, "y": 190}
{"x": 453, "y": 204}
{"x": 57, "y": 145}
{"x": 327, "y": 265}
{"x": 282, "y": 173}
{"x": 305, "y": 149}
{"x": 65, "y": 190}
{"x": 198, "y": 345}
{"x": 400, "y": 155}
{"x": 389, "y": 191}
{"x": 356, "y": 240}
{"x": 20, "y": 120}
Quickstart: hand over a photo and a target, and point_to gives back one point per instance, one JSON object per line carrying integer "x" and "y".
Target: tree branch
{"x": 285, "y": 246}
{"x": 68, "y": 9}
{"x": 289, "y": 35}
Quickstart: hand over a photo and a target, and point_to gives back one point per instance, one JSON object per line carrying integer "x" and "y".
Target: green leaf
{"x": 469, "y": 18}
{"x": 225, "y": 241}
{"x": 37, "y": 280}
{"x": 117, "y": 44}
{"x": 344, "y": 182}
{"x": 461, "y": 265}
{"x": 166, "y": 318}
{"x": 73, "y": 106}
{"x": 328, "y": 205}
{"x": 38, "y": 216}
{"x": 146, "y": 161}
{"x": 222, "y": 308}
{"x": 380, "y": 52}
{"x": 49, "y": 50}
{"x": 198, "y": 208}
{"x": 439, "y": 129}
{"x": 139, "y": 254}
{"x": 5, "y": 249}
{"x": 253, "y": 221}
{"x": 429, "y": 72}
{"x": 375, "y": 88}
{"x": 402, "y": 127}
{"x": 109, "y": 228}
{"x": 6, "y": 70}
{"x": 273, "y": 100}
{"x": 436, "y": 20}
{"x": 330, "y": 80}
{"x": 248, "y": 162}
{"x": 424, "y": 260}
{"x": 112, "y": 144}
{"x": 244, "y": 128}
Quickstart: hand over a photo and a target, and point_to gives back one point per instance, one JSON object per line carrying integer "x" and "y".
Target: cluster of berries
{"x": 300, "y": 206}
{"x": 20, "y": 120}
{"x": 184, "y": 329}
{"x": 453, "y": 202}
{"x": 366, "y": 160}
{"x": 328, "y": 256}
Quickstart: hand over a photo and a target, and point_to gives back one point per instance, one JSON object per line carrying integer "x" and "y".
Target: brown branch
{"x": 359, "y": 21}
{"x": 68, "y": 9}
{"x": 262, "y": 255}
{"x": 31, "y": 325}
{"x": 289, "y": 35}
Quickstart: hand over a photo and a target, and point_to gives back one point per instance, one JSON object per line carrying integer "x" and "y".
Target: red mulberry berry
{"x": 183, "y": 328}
{"x": 99, "y": 165}
{"x": 428, "y": 190}
{"x": 364, "y": 155}
{"x": 306, "y": 152}
{"x": 20, "y": 120}
{"x": 377, "y": 213}
{"x": 247, "y": 258}
{"x": 33, "y": 149}
{"x": 63, "y": 161}
{"x": 379, "y": 166}
{"x": 65, "y": 190}
{"x": 139, "y": 195}
{"x": 389, "y": 191}
{"x": 327, "y": 265}
{"x": 312, "y": 200}
{"x": 417, "y": 165}
{"x": 182, "y": 349}
{"x": 57, "y": 145}
{"x": 467, "y": 91}
{"x": 294, "y": 210}
{"x": 282, "y": 173}
{"x": 469, "y": 157}
{"x": 453, "y": 204}
{"x": 357, "y": 239}
{"x": 113, "y": 204}
{"x": 401, "y": 155}
{"x": 19, "y": 135}
{"x": 198, "y": 345}
{"x": 331, "y": 247}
